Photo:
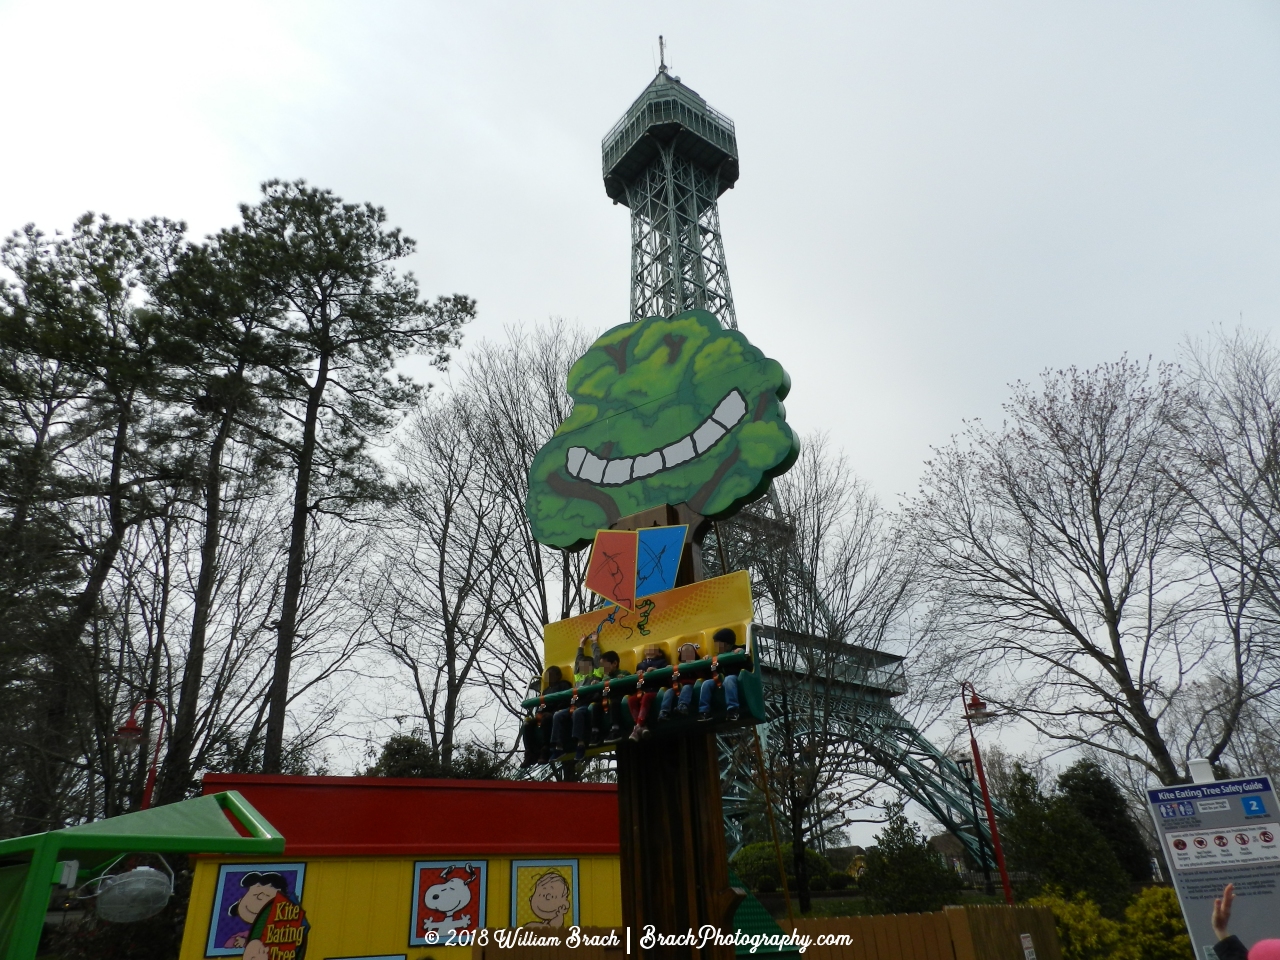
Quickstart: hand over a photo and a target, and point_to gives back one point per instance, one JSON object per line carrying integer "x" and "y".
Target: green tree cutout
{"x": 665, "y": 411}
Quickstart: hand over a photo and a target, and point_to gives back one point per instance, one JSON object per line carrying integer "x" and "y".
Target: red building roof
{"x": 377, "y": 816}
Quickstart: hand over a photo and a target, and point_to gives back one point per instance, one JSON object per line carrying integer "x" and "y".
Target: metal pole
{"x": 982, "y": 840}
{"x": 155, "y": 756}
{"x": 986, "y": 796}
{"x": 33, "y": 902}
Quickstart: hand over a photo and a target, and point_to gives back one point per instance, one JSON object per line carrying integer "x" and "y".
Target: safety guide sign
{"x": 1217, "y": 833}
{"x": 1193, "y": 849}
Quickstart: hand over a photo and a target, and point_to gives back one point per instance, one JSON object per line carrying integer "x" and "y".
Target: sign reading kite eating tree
{"x": 665, "y": 411}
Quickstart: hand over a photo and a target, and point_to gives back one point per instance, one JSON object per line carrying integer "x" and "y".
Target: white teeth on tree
{"x": 649, "y": 463}
{"x": 732, "y": 409}
{"x": 618, "y": 471}
{"x": 592, "y": 468}
{"x": 582, "y": 463}
{"x": 678, "y": 452}
{"x": 706, "y": 435}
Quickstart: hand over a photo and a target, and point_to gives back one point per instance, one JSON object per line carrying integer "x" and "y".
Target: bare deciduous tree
{"x": 1053, "y": 550}
{"x": 835, "y": 585}
{"x": 1228, "y": 465}
{"x": 517, "y": 392}
{"x": 435, "y": 596}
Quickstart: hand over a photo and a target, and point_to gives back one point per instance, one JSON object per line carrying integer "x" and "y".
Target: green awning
{"x": 204, "y": 825}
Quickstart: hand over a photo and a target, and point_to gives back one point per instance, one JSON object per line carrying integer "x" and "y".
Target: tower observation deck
{"x": 669, "y": 159}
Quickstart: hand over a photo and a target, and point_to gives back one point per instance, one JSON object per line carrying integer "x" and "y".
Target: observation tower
{"x": 669, "y": 159}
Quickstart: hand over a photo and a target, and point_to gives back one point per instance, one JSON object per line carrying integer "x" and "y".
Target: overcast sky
{"x": 936, "y": 199}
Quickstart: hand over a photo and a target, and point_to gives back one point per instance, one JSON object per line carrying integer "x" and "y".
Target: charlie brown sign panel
{"x": 1217, "y": 833}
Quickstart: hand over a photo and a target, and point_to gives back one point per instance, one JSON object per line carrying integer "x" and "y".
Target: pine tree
{"x": 1051, "y": 839}
{"x": 1099, "y": 800}
{"x": 903, "y": 873}
{"x": 345, "y": 318}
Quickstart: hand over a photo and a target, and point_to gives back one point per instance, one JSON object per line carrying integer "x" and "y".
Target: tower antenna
{"x": 662, "y": 54}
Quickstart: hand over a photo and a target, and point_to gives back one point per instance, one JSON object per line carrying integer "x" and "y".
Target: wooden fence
{"x": 956, "y": 933}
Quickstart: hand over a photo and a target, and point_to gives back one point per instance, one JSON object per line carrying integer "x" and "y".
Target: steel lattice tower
{"x": 669, "y": 159}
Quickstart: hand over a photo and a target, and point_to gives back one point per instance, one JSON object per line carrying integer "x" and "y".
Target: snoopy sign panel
{"x": 448, "y": 899}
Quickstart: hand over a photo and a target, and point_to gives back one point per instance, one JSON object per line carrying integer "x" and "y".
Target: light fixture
{"x": 130, "y": 736}
{"x": 977, "y": 711}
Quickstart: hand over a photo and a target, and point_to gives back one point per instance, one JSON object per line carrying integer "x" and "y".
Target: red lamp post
{"x": 132, "y": 735}
{"x": 977, "y": 711}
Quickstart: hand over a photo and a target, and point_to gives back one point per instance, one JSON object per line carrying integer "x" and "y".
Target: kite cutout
{"x": 658, "y": 559}
{"x": 611, "y": 571}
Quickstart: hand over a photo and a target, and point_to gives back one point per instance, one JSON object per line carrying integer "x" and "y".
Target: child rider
{"x": 612, "y": 668}
{"x": 726, "y": 641}
{"x": 688, "y": 653}
{"x": 641, "y": 702}
{"x": 537, "y": 729}
{"x": 586, "y": 669}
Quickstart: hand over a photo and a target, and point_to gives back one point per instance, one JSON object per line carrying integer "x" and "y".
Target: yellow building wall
{"x": 360, "y": 906}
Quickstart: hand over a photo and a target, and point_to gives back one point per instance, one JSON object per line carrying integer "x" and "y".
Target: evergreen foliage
{"x": 345, "y": 316}
{"x": 903, "y": 873}
{"x": 757, "y": 861}
{"x": 1050, "y": 838}
{"x": 183, "y": 426}
{"x": 1100, "y": 801}
{"x": 405, "y": 755}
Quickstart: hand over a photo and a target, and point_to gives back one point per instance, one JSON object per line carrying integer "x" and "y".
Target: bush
{"x": 839, "y": 881}
{"x": 766, "y": 885}
{"x": 817, "y": 883}
{"x": 757, "y": 860}
{"x": 1083, "y": 932}
{"x": 1099, "y": 800}
{"x": 904, "y": 874}
{"x": 1048, "y": 837}
{"x": 1153, "y": 928}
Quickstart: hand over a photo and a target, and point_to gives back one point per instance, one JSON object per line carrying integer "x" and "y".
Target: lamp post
{"x": 132, "y": 735}
{"x": 966, "y": 770}
{"x": 977, "y": 711}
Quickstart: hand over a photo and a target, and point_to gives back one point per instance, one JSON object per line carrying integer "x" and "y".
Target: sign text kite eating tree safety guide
{"x": 1217, "y": 833}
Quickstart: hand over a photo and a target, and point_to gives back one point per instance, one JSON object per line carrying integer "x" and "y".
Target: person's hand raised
{"x": 1222, "y": 911}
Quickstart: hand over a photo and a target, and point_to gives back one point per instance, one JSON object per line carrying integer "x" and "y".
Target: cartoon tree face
{"x": 665, "y": 411}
